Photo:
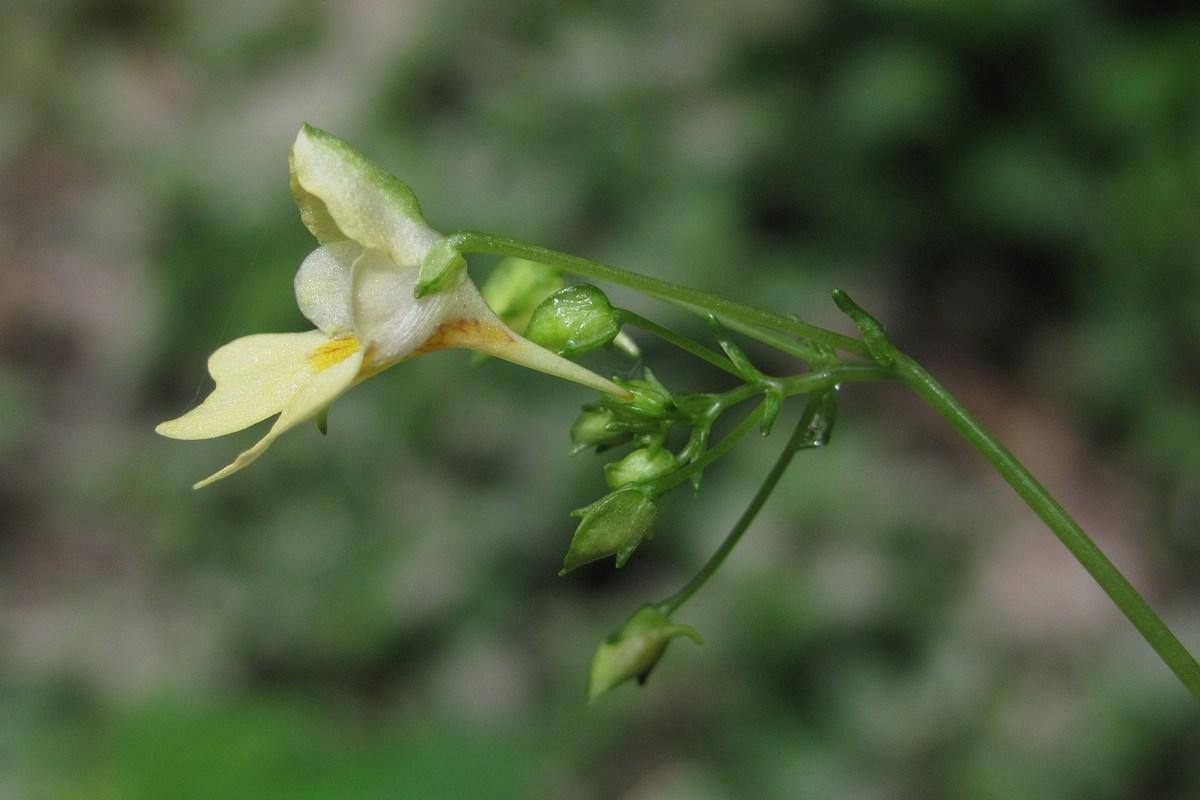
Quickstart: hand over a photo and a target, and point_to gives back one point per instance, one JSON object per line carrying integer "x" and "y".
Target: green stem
{"x": 682, "y": 342}
{"x": 722, "y": 447}
{"x": 475, "y": 242}
{"x": 771, "y": 337}
{"x": 835, "y": 375}
{"x": 1148, "y": 623}
{"x": 823, "y": 380}
{"x": 795, "y": 443}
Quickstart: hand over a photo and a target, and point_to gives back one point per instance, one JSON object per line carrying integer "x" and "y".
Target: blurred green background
{"x": 1013, "y": 186}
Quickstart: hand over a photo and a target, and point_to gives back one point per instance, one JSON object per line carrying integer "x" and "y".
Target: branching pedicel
{"x": 384, "y": 287}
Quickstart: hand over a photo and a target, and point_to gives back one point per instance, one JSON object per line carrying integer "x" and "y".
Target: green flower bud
{"x": 574, "y": 320}
{"x": 642, "y": 465}
{"x": 633, "y": 649}
{"x": 649, "y": 401}
{"x": 614, "y": 525}
{"x": 597, "y": 428}
{"x": 515, "y": 287}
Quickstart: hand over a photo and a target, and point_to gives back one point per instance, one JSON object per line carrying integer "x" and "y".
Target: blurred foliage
{"x": 1014, "y": 187}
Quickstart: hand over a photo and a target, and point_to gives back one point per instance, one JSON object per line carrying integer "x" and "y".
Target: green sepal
{"x": 322, "y": 420}
{"x": 634, "y": 649}
{"x": 574, "y": 320}
{"x": 614, "y": 525}
{"x": 442, "y": 268}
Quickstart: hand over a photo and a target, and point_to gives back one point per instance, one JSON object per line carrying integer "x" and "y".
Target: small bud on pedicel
{"x": 650, "y": 401}
{"x": 642, "y": 465}
{"x": 633, "y": 649}
{"x": 614, "y": 525}
{"x": 574, "y": 320}
{"x": 596, "y": 427}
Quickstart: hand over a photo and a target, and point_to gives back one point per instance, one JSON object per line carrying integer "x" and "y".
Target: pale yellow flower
{"x": 358, "y": 288}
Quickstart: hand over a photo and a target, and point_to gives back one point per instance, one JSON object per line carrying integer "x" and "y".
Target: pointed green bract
{"x": 879, "y": 344}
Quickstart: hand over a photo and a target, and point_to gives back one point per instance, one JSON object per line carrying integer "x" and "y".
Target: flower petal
{"x": 323, "y": 388}
{"x": 323, "y": 286}
{"x": 344, "y": 195}
{"x": 256, "y": 377}
{"x": 388, "y": 319}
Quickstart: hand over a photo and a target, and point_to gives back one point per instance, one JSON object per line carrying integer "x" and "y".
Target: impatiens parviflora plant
{"x": 383, "y": 287}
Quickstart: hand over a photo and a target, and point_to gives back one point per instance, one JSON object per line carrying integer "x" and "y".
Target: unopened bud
{"x": 596, "y": 428}
{"x": 614, "y": 525}
{"x": 633, "y": 649}
{"x": 649, "y": 401}
{"x": 642, "y": 465}
{"x": 574, "y": 320}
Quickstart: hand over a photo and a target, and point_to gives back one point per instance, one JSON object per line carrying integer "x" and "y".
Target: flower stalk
{"x": 1074, "y": 538}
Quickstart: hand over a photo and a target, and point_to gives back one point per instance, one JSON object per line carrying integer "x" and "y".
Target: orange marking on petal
{"x": 472, "y": 333}
{"x": 335, "y": 351}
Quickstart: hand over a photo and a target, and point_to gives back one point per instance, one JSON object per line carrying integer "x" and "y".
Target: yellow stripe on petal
{"x": 333, "y": 352}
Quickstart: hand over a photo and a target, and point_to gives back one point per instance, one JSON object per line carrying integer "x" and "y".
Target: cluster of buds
{"x": 571, "y": 321}
{"x": 644, "y": 418}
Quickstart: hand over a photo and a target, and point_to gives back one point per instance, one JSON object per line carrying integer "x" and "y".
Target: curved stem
{"x": 795, "y": 443}
{"x": 712, "y": 454}
{"x": 1147, "y": 622}
{"x": 771, "y": 337}
{"x": 475, "y": 242}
